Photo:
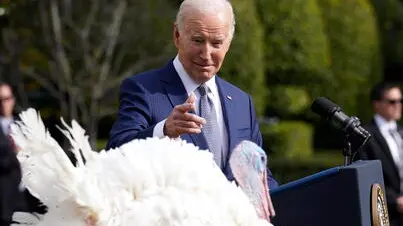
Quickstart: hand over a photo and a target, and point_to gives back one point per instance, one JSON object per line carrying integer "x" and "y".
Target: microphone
{"x": 351, "y": 126}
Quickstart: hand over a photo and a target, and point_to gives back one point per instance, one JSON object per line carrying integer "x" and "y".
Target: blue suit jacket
{"x": 149, "y": 98}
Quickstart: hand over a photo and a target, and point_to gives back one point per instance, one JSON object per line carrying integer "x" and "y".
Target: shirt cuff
{"x": 159, "y": 129}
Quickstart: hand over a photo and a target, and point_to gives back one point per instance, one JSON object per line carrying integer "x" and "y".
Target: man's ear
{"x": 176, "y": 34}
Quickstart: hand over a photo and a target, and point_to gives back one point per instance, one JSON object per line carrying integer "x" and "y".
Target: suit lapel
{"x": 177, "y": 95}
{"x": 383, "y": 145}
{"x": 227, "y": 106}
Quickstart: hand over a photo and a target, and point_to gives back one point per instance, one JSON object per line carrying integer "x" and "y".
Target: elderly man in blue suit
{"x": 186, "y": 98}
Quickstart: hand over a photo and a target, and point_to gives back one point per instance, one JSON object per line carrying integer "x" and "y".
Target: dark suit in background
{"x": 386, "y": 144}
{"x": 377, "y": 148}
{"x": 10, "y": 177}
{"x": 13, "y": 196}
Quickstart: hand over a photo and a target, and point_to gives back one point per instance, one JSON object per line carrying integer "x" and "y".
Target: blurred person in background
{"x": 10, "y": 177}
{"x": 7, "y": 104}
{"x": 386, "y": 145}
{"x": 14, "y": 196}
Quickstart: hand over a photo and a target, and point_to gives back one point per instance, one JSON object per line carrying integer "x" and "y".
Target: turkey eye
{"x": 262, "y": 158}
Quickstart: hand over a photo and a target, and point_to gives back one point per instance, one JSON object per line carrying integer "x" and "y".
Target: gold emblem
{"x": 379, "y": 210}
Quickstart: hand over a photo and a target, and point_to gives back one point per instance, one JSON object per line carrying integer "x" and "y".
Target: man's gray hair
{"x": 204, "y": 6}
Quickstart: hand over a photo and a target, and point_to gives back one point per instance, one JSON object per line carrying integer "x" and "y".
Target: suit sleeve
{"x": 257, "y": 138}
{"x": 133, "y": 120}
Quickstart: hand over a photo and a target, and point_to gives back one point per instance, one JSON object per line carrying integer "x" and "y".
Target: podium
{"x": 350, "y": 195}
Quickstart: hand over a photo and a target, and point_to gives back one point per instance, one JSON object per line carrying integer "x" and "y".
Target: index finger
{"x": 195, "y": 118}
{"x": 185, "y": 107}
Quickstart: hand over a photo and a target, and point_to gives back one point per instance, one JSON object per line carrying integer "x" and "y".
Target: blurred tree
{"x": 390, "y": 24}
{"x": 355, "y": 59}
{"x": 10, "y": 54}
{"x": 288, "y": 101}
{"x": 319, "y": 48}
{"x": 295, "y": 42}
{"x": 296, "y": 53}
{"x": 80, "y": 51}
{"x": 244, "y": 64}
{"x": 289, "y": 139}
{"x": 3, "y": 12}
{"x": 296, "y": 67}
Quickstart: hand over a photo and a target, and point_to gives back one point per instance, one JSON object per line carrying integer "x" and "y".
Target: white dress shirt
{"x": 384, "y": 126}
{"x": 191, "y": 87}
{"x": 5, "y": 124}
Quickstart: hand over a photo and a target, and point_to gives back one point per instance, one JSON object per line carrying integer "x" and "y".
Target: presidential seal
{"x": 379, "y": 209}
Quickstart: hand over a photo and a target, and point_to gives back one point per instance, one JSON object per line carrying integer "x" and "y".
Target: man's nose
{"x": 206, "y": 51}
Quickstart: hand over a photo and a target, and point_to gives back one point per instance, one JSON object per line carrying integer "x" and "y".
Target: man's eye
{"x": 198, "y": 40}
{"x": 217, "y": 43}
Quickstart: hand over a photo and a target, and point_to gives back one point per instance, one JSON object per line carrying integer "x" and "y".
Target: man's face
{"x": 7, "y": 101}
{"x": 203, "y": 43}
{"x": 390, "y": 106}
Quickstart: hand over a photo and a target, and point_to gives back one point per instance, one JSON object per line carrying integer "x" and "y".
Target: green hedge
{"x": 286, "y": 170}
{"x": 390, "y": 23}
{"x": 296, "y": 45}
{"x": 244, "y": 63}
{"x": 355, "y": 60}
{"x": 288, "y": 139}
{"x": 288, "y": 100}
{"x": 101, "y": 144}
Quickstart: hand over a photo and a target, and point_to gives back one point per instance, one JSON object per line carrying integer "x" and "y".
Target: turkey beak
{"x": 267, "y": 206}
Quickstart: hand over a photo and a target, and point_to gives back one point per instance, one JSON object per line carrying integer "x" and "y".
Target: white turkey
{"x": 165, "y": 182}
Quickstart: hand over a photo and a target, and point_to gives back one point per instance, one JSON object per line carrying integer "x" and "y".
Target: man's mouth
{"x": 204, "y": 66}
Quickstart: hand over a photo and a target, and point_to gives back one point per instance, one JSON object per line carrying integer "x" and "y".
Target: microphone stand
{"x": 347, "y": 152}
{"x": 358, "y": 137}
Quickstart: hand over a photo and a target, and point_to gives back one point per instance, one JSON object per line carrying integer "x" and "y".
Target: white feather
{"x": 44, "y": 163}
{"x": 79, "y": 142}
{"x": 145, "y": 182}
{"x": 25, "y": 218}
